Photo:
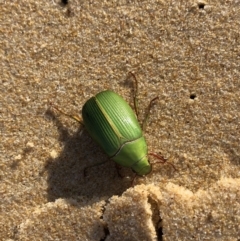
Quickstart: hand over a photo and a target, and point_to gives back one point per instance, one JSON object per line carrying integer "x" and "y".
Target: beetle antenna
{"x": 74, "y": 117}
{"x": 144, "y": 125}
{"x": 162, "y": 160}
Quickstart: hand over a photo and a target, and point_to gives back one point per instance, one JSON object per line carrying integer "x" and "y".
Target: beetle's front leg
{"x": 161, "y": 160}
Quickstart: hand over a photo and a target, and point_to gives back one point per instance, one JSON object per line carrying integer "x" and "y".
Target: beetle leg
{"x": 135, "y": 99}
{"x": 94, "y": 165}
{"x": 133, "y": 180}
{"x": 74, "y": 117}
{"x": 118, "y": 168}
{"x": 148, "y": 113}
{"x": 162, "y": 160}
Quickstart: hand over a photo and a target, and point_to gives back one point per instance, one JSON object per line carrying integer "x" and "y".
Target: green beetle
{"x": 113, "y": 125}
{"x": 111, "y": 122}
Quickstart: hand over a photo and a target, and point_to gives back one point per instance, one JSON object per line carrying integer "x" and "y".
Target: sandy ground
{"x": 185, "y": 52}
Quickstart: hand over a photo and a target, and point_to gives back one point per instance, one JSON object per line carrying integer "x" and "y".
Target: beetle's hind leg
{"x": 135, "y": 94}
{"x": 74, "y": 117}
{"x": 135, "y": 101}
{"x": 146, "y": 118}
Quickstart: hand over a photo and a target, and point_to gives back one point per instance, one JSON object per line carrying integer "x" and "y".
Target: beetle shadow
{"x": 77, "y": 172}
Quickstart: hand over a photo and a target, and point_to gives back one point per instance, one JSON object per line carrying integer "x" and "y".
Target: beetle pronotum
{"x": 112, "y": 123}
